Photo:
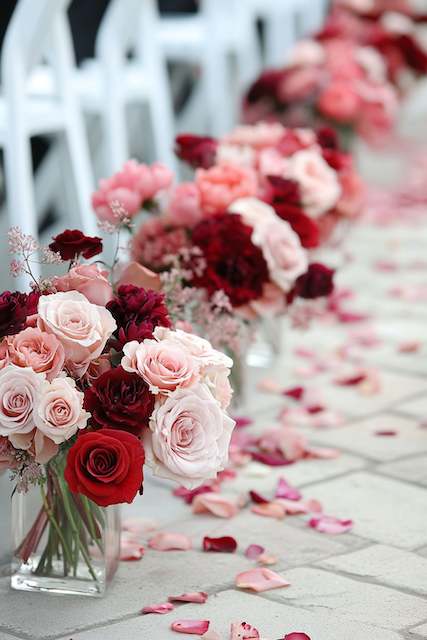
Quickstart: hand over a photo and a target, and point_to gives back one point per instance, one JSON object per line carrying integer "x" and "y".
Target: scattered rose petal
{"x": 296, "y": 635}
{"x": 257, "y": 498}
{"x": 215, "y": 504}
{"x": 269, "y": 386}
{"x": 226, "y": 474}
{"x": 211, "y": 635}
{"x": 139, "y": 526}
{"x": 285, "y": 490}
{"x": 192, "y": 627}
{"x": 170, "y": 542}
{"x": 411, "y": 346}
{"x": 352, "y": 380}
{"x": 260, "y": 579}
{"x": 314, "y": 506}
{"x": 303, "y": 352}
{"x": 188, "y": 495}
{"x": 292, "y": 507}
{"x": 314, "y": 408}
{"x": 270, "y": 510}
{"x": 330, "y": 524}
{"x": 386, "y": 432}
{"x": 274, "y": 459}
{"x": 198, "y": 597}
{"x": 323, "y": 453}
{"x": 254, "y": 551}
{"x": 166, "y": 607}
{"x": 130, "y": 550}
{"x": 264, "y": 558}
{"x": 243, "y": 631}
{"x": 328, "y": 419}
{"x": 225, "y": 544}
{"x": 242, "y": 421}
{"x": 294, "y": 392}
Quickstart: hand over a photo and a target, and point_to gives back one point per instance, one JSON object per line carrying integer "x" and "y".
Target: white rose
{"x": 19, "y": 392}
{"x": 253, "y": 211}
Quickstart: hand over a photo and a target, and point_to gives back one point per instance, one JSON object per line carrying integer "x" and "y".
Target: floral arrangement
{"x": 329, "y": 80}
{"x": 94, "y": 383}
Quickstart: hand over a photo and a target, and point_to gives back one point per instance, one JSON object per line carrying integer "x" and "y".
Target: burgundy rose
{"x": 72, "y": 243}
{"x": 266, "y": 86}
{"x": 119, "y": 400}
{"x": 197, "y": 151}
{"x": 137, "y": 312}
{"x": 15, "y": 307}
{"x": 233, "y": 263}
{"x": 106, "y": 466}
{"x": 327, "y": 138}
{"x": 413, "y": 53}
{"x": 317, "y": 282}
{"x": 337, "y": 159}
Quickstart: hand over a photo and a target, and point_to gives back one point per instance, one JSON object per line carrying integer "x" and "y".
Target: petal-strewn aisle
{"x": 362, "y": 407}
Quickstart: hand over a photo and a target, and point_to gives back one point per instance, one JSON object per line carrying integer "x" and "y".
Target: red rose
{"x": 233, "y": 263}
{"x": 317, "y": 282}
{"x": 327, "y": 138}
{"x": 197, "y": 151}
{"x": 72, "y": 243}
{"x": 14, "y": 310}
{"x": 106, "y": 466}
{"x": 119, "y": 400}
{"x": 137, "y": 312}
{"x": 266, "y": 86}
{"x": 337, "y": 159}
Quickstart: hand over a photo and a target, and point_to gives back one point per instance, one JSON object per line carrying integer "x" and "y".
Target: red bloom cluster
{"x": 197, "y": 151}
{"x": 15, "y": 307}
{"x": 72, "y": 243}
{"x": 317, "y": 282}
{"x": 241, "y": 271}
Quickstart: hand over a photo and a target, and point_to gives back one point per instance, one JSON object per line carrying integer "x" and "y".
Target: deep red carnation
{"x": 233, "y": 263}
{"x": 106, "y": 466}
{"x": 337, "y": 159}
{"x": 327, "y": 138}
{"x": 15, "y": 307}
{"x": 265, "y": 86}
{"x": 197, "y": 151}
{"x": 413, "y": 53}
{"x": 317, "y": 282}
{"x": 72, "y": 243}
{"x": 119, "y": 400}
{"x": 137, "y": 312}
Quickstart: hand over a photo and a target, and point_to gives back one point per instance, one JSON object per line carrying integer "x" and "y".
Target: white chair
{"x": 37, "y": 30}
{"x": 221, "y": 31}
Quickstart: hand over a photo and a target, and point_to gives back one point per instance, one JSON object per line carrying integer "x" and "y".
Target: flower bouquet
{"x": 333, "y": 81}
{"x": 94, "y": 383}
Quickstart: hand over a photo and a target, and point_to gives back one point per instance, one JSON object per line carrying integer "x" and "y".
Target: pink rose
{"x": 189, "y": 437}
{"x": 340, "y": 102}
{"x": 90, "y": 280}
{"x": 221, "y": 185}
{"x": 237, "y": 155}
{"x": 131, "y": 187}
{"x": 19, "y": 393}
{"x": 97, "y": 367}
{"x": 379, "y": 112}
{"x": 282, "y": 250}
{"x": 319, "y": 185}
{"x": 36, "y": 349}
{"x": 140, "y": 276}
{"x": 164, "y": 366}
{"x": 41, "y": 448}
{"x": 272, "y": 163}
{"x": 81, "y": 327}
{"x": 372, "y": 64}
{"x": 353, "y": 193}
{"x": 59, "y": 413}
{"x": 7, "y": 460}
{"x": 4, "y": 353}
{"x": 184, "y": 205}
{"x": 299, "y": 83}
{"x": 341, "y": 60}
{"x": 307, "y": 53}
{"x": 253, "y": 211}
{"x": 201, "y": 349}
{"x": 258, "y": 136}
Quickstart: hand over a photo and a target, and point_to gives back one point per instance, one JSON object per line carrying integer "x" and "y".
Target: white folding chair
{"x": 221, "y": 31}
{"x": 38, "y": 30}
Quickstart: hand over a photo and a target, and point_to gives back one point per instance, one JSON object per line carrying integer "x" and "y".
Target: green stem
{"x": 55, "y": 525}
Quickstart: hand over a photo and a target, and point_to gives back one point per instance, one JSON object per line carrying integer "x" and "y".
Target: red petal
{"x": 196, "y": 627}
{"x": 351, "y": 381}
{"x": 257, "y": 498}
{"x": 254, "y": 551}
{"x": 225, "y": 544}
{"x": 295, "y": 392}
{"x": 199, "y": 597}
{"x": 166, "y": 607}
{"x": 296, "y": 635}
{"x": 275, "y": 459}
{"x": 242, "y": 421}
{"x": 285, "y": 490}
{"x": 385, "y": 432}
{"x": 188, "y": 495}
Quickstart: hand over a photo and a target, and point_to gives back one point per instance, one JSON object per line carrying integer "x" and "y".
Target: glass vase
{"x": 63, "y": 542}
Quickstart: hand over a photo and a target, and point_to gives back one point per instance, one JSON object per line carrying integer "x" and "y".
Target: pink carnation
{"x": 184, "y": 205}
{"x": 155, "y": 240}
{"x": 221, "y": 185}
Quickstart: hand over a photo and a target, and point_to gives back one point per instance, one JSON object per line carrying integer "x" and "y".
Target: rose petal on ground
{"x": 166, "y": 607}
{"x": 164, "y": 541}
{"x": 285, "y": 490}
{"x": 330, "y": 524}
{"x": 243, "y": 631}
{"x": 198, "y": 597}
{"x": 269, "y": 386}
{"x": 257, "y": 498}
{"x": 192, "y": 627}
{"x": 296, "y": 635}
{"x": 242, "y": 421}
{"x": 294, "y": 392}
{"x": 274, "y": 459}
{"x": 225, "y": 544}
{"x": 352, "y": 380}
{"x": 188, "y": 495}
{"x": 139, "y": 525}
{"x": 385, "y": 432}
{"x": 292, "y": 507}
{"x": 211, "y": 635}
{"x": 323, "y": 453}
{"x": 215, "y": 504}
{"x": 131, "y": 550}
{"x": 270, "y": 510}
{"x": 411, "y": 346}
{"x": 264, "y": 558}
{"x": 260, "y": 579}
{"x": 312, "y": 409}
{"x": 254, "y": 551}
{"x": 313, "y": 506}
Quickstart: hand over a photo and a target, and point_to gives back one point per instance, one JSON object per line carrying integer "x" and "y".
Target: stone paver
{"x": 387, "y": 565}
{"x": 413, "y": 469}
{"x": 416, "y": 408}
{"x": 419, "y": 632}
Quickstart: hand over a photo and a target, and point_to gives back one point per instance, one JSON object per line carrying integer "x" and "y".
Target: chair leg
{"x": 163, "y": 122}
{"x": 280, "y": 37}
{"x": 216, "y": 84}
{"x": 115, "y": 132}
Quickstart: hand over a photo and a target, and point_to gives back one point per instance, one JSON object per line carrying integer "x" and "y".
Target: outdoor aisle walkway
{"x": 369, "y": 583}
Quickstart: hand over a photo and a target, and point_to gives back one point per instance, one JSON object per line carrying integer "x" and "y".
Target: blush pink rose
{"x": 90, "y": 280}
{"x": 4, "y": 353}
{"x": 200, "y": 348}
{"x": 140, "y": 276}
{"x": 19, "y": 392}
{"x": 41, "y": 448}
{"x": 184, "y": 205}
{"x": 59, "y": 412}
{"x": 318, "y": 182}
{"x": 81, "y": 327}
{"x": 253, "y": 211}
{"x": 219, "y": 186}
{"x": 272, "y": 163}
{"x": 36, "y": 349}
{"x": 237, "y": 155}
{"x": 258, "y": 136}
{"x": 189, "y": 437}
{"x": 282, "y": 250}
{"x": 340, "y": 102}
{"x": 307, "y": 52}
{"x": 353, "y": 194}
{"x": 299, "y": 83}
{"x": 7, "y": 460}
{"x": 341, "y": 60}
{"x": 164, "y": 365}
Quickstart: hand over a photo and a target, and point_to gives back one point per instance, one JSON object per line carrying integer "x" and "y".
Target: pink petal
{"x": 313, "y": 506}
{"x": 411, "y": 346}
{"x": 254, "y": 551}
{"x": 275, "y": 459}
{"x": 170, "y": 542}
{"x": 285, "y": 490}
{"x": 295, "y": 392}
{"x": 131, "y": 551}
{"x": 166, "y": 607}
{"x": 322, "y": 453}
{"x": 270, "y": 510}
{"x": 352, "y": 380}
{"x": 330, "y": 524}
{"x": 211, "y": 635}
{"x": 296, "y": 635}
{"x": 386, "y": 432}
{"x": 269, "y": 386}
{"x": 215, "y": 504}
{"x": 225, "y": 544}
{"x": 139, "y": 526}
{"x": 243, "y": 631}
{"x": 192, "y": 627}
{"x": 292, "y": 507}
{"x": 188, "y": 495}
{"x": 257, "y": 498}
{"x": 242, "y": 421}
{"x": 260, "y": 579}
{"x": 264, "y": 558}
{"x": 199, "y": 597}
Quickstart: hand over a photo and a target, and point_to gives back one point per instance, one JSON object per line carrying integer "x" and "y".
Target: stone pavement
{"x": 369, "y": 583}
